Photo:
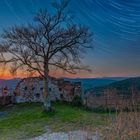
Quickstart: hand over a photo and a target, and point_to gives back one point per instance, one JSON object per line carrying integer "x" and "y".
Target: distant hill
{"x": 10, "y": 83}
{"x": 124, "y": 87}
{"x": 88, "y": 83}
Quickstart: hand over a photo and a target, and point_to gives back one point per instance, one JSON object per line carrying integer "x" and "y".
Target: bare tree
{"x": 52, "y": 40}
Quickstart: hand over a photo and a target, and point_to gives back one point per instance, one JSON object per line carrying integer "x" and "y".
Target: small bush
{"x": 77, "y": 101}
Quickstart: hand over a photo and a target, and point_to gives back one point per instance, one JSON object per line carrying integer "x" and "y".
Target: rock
{"x": 3, "y": 114}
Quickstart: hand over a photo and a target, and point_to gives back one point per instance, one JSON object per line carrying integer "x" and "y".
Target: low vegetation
{"x": 25, "y": 120}
{"x": 28, "y": 119}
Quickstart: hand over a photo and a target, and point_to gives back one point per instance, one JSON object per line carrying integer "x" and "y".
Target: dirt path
{"x": 71, "y": 135}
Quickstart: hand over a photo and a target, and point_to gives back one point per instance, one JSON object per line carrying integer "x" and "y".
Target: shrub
{"x": 77, "y": 101}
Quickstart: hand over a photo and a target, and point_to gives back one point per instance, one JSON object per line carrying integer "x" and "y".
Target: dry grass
{"x": 126, "y": 126}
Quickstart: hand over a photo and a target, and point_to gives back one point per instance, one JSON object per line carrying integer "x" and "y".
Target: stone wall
{"x": 5, "y": 100}
{"x": 31, "y": 90}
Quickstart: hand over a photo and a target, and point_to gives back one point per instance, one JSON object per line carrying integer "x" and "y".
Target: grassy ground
{"x": 28, "y": 119}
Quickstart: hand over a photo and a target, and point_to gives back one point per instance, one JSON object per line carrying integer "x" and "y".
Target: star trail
{"x": 115, "y": 24}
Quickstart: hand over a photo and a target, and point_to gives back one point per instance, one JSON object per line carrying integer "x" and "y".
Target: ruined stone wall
{"x": 5, "y": 100}
{"x": 31, "y": 90}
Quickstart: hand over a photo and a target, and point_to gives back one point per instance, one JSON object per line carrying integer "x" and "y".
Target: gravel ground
{"x": 71, "y": 135}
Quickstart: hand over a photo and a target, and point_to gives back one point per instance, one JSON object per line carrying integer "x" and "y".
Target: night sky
{"x": 115, "y": 24}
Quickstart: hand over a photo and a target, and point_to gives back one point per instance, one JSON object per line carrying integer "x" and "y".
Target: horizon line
{"x": 74, "y": 77}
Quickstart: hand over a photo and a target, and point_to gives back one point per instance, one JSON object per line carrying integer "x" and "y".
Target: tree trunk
{"x": 46, "y": 98}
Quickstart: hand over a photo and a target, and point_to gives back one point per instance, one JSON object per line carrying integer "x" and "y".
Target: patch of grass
{"x": 28, "y": 119}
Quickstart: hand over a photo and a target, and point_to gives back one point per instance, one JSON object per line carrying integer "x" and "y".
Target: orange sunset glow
{"x": 5, "y": 74}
